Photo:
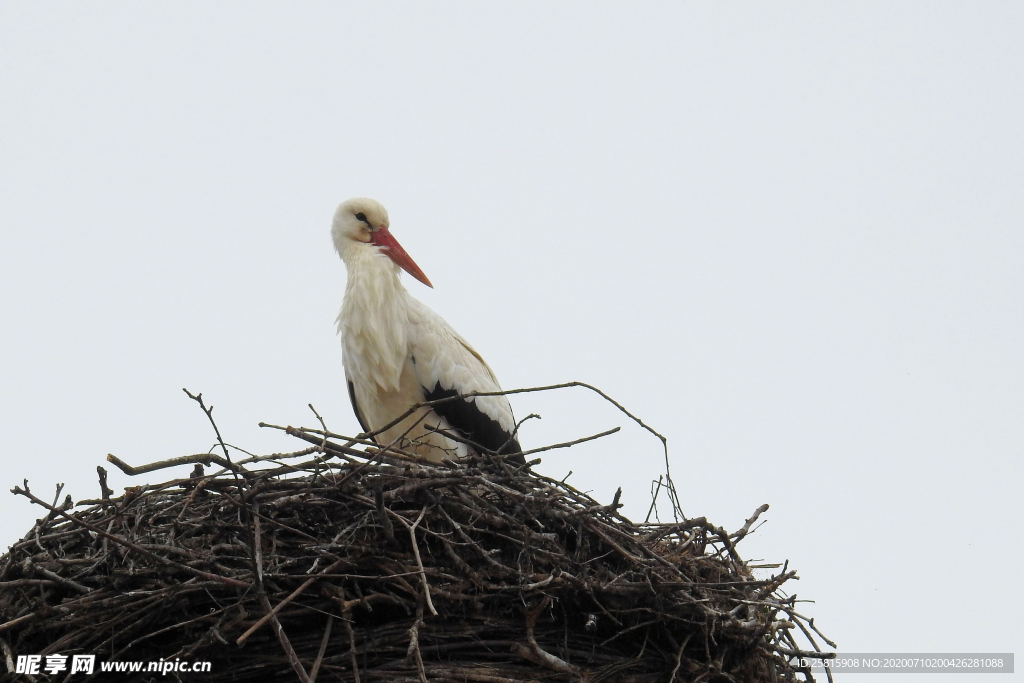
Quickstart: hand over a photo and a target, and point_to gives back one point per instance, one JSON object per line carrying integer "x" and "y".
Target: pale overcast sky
{"x": 789, "y": 236}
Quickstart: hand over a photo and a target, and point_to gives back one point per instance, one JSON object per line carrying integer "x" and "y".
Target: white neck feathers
{"x": 374, "y": 318}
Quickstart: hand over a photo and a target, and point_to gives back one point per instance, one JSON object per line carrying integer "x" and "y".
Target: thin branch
{"x": 574, "y": 442}
{"x": 291, "y": 596}
{"x": 128, "y": 544}
{"x": 203, "y": 458}
{"x": 736, "y": 537}
{"x": 323, "y": 646}
{"x": 416, "y": 553}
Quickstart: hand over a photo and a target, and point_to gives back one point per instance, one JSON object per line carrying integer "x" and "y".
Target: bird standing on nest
{"x": 397, "y": 352}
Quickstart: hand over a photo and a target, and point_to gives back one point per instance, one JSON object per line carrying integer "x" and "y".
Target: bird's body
{"x": 397, "y": 352}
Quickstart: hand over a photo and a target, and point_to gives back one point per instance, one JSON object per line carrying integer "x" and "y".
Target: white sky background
{"x": 791, "y": 238}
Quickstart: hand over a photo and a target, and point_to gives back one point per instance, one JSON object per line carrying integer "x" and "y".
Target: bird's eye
{"x": 362, "y": 216}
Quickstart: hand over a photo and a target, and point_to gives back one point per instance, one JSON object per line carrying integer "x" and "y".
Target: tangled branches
{"x": 344, "y": 562}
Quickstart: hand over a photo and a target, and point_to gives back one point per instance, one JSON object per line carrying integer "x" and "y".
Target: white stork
{"x": 397, "y": 352}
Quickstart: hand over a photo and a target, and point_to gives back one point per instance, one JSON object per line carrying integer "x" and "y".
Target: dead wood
{"x": 501, "y": 575}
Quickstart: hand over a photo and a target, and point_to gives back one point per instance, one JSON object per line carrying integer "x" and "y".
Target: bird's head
{"x": 365, "y": 220}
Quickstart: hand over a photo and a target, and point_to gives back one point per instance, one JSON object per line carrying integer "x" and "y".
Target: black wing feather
{"x": 355, "y": 408}
{"x": 473, "y": 424}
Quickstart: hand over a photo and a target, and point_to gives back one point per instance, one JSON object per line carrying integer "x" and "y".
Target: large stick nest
{"x": 341, "y": 563}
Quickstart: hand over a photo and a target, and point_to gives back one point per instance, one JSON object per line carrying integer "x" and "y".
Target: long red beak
{"x": 382, "y": 238}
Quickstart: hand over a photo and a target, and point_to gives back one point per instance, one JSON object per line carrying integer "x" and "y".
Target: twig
{"x": 128, "y": 544}
{"x": 8, "y": 655}
{"x": 271, "y": 614}
{"x": 574, "y": 442}
{"x": 380, "y": 453}
{"x": 385, "y": 520}
{"x": 736, "y": 537}
{"x": 204, "y": 458}
{"x": 654, "y": 499}
{"x": 282, "y": 638}
{"x": 291, "y": 596}
{"x": 323, "y": 645}
{"x": 414, "y": 644}
{"x": 679, "y": 658}
{"x": 353, "y": 659}
{"x": 62, "y": 581}
{"x": 15, "y": 622}
{"x": 535, "y": 653}
{"x": 670, "y": 485}
{"x": 319, "y": 419}
{"x": 198, "y": 398}
{"x": 416, "y": 553}
{"x": 104, "y": 491}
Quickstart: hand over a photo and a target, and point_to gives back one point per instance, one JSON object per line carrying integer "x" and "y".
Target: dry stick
{"x": 385, "y": 521}
{"x": 27, "y": 582}
{"x": 276, "y": 523}
{"x": 204, "y": 458}
{"x": 322, "y": 423}
{"x": 17, "y": 490}
{"x": 346, "y": 447}
{"x": 277, "y": 456}
{"x": 56, "y": 497}
{"x": 537, "y": 655}
{"x": 294, "y": 594}
{"x": 61, "y": 580}
{"x": 810, "y": 622}
{"x": 654, "y": 499}
{"x": 504, "y": 456}
{"x": 701, "y": 522}
{"x": 723, "y": 536}
{"x": 9, "y": 658}
{"x": 807, "y": 633}
{"x": 380, "y": 453}
{"x": 178, "y": 625}
{"x": 570, "y": 443}
{"x": 346, "y": 616}
{"x": 666, "y": 529}
{"x": 736, "y": 537}
{"x": 514, "y": 436}
{"x": 340, "y": 449}
{"x": 344, "y": 450}
{"x": 376, "y": 456}
{"x": 198, "y": 398}
{"x": 282, "y": 637}
{"x": 414, "y": 643}
{"x": 670, "y": 485}
{"x": 104, "y": 490}
{"x": 200, "y": 485}
{"x": 8, "y": 655}
{"x": 679, "y": 658}
{"x": 772, "y": 584}
{"x": 461, "y": 439}
{"x": 252, "y": 528}
{"x": 323, "y": 446}
{"x": 474, "y": 394}
{"x": 416, "y": 553}
{"x": 323, "y": 643}
{"x": 257, "y": 550}
{"x": 14, "y": 622}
